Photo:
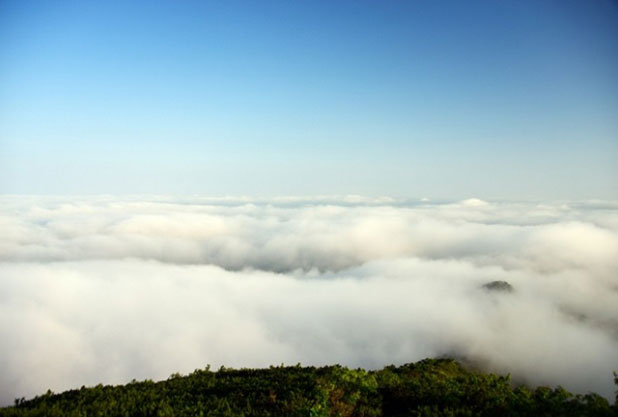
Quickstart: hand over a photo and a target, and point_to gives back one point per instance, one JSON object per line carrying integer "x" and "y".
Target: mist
{"x": 108, "y": 289}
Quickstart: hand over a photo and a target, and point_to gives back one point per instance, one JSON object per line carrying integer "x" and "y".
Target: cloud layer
{"x": 106, "y": 289}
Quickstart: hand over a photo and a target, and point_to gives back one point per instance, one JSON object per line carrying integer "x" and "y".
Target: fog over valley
{"x": 107, "y": 289}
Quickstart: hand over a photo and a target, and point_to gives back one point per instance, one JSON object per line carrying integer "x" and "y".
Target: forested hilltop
{"x": 432, "y": 387}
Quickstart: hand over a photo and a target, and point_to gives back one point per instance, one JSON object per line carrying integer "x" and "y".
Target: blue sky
{"x": 449, "y": 99}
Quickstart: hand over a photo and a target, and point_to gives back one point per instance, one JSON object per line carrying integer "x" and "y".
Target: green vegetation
{"x": 433, "y": 387}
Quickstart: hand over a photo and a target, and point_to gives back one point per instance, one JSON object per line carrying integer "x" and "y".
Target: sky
{"x": 510, "y": 99}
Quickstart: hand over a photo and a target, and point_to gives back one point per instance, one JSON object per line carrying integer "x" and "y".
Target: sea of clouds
{"x": 107, "y": 289}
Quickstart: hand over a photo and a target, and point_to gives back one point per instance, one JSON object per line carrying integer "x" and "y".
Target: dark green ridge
{"x": 432, "y": 387}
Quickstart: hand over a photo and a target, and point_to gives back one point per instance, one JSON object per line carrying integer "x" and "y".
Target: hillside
{"x": 427, "y": 388}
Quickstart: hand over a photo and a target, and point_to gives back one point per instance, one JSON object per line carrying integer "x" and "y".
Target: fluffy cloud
{"x": 106, "y": 289}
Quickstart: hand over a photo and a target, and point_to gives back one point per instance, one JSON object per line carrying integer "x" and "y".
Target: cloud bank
{"x": 103, "y": 289}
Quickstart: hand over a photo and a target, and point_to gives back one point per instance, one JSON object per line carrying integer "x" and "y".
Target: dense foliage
{"x": 433, "y": 387}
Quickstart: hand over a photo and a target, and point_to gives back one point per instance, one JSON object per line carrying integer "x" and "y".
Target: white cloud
{"x": 474, "y": 202}
{"x": 106, "y": 290}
